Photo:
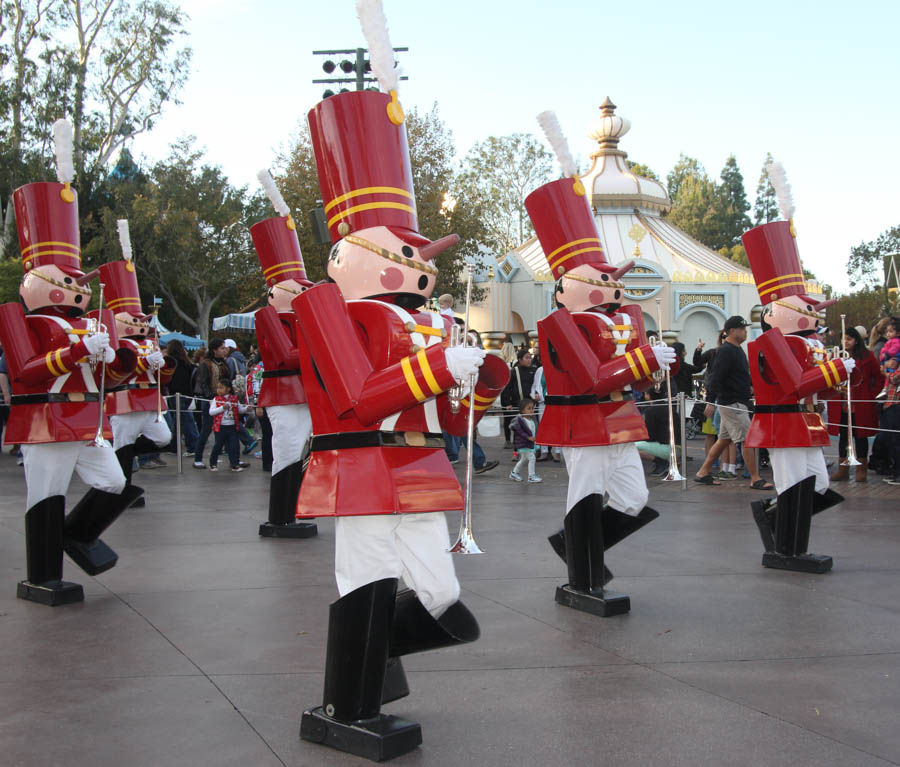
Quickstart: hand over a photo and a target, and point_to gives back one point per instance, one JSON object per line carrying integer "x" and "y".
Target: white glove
{"x": 464, "y": 361}
{"x": 849, "y": 364}
{"x": 155, "y": 360}
{"x": 109, "y": 355}
{"x": 665, "y": 356}
{"x": 95, "y": 342}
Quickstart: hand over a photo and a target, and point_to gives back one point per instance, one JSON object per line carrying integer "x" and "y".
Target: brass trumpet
{"x": 851, "y": 459}
{"x": 465, "y": 541}
{"x": 673, "y": 475}
{"x": 98, "y": 437}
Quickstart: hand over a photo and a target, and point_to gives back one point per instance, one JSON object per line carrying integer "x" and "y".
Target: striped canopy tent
{"x": 243, "y": 321}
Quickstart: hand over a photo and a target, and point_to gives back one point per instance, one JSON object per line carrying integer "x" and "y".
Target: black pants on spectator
{"x": 205, "y": 429}
{"x": 890, "y": 419}
{"x": 860, "y": 444}
{"x": 226, "y": 437}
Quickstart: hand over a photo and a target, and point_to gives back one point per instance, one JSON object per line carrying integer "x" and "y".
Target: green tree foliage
{"x": 866, "y": 263}
{"x": 10, "y": 279}
{"x": 189, "y": 231}
{"x": 684, "y": 168}
{"x": 862, "y": 307}
{"x": 733, "y": 205}
{"x": 639, "y": 169}
{"x": 108, "y": 66}
{"x": 497, "y": 175}
{"x": 765, "y": 208}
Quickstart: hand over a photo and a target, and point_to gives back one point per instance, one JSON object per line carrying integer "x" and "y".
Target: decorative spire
{"x": 610, "y": 128}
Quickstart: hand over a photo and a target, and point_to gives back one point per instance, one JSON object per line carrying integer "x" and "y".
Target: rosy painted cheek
{"x": 596, "y": 297}
{"x": 391, "y": 278}
{"x": 803, "y": 323}
{"x": 57, "y": 296}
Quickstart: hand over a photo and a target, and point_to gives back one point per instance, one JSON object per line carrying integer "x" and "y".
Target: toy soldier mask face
{"x": 50, "y": 288}
{"x": 375, "y": 262}
{"x": 586, "y": 287}
{"x": 282, "y": 293}
{"x": 793, "y": 315}
{"x": 130, "y": 326}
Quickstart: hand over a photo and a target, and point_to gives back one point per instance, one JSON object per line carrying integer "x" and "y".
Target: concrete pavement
{"x": 205, "y": 643}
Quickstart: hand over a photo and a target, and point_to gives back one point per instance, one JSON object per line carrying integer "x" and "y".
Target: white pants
{"x": 612, "y": 469}
{"x": 409, "y": 546}
{"x": 791, "y": 465}
{"x": 49, "y": 467}
{"x": 291, "y": 429}
{"x": 127, "y": 427}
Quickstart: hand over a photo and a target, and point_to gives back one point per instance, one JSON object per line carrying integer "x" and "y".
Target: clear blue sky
{"x": 814, "y": 83}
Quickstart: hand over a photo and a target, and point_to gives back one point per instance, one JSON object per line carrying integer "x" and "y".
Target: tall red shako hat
{"x": 362, "y": 153}
{"x": 772, "y": 250}
{"x": 47, "y": 213}
{"x": 561, "y": 215}
{"x": 275, "y": 240}
{"x": 119, "y": 278}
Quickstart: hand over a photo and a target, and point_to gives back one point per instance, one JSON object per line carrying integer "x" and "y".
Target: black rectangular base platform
{"x": 51, "y": 594}
{"x": 801, "y": 563}
{"x": 602, "y": 602}
{"x": 385, "y": 737}
{"x": 94, "y": 557}
{"x": 293, "y": 530}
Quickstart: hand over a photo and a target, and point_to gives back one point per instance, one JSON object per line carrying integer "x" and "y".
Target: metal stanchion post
{"x": 683, "y": 419}
{"x": 179, "y": 448}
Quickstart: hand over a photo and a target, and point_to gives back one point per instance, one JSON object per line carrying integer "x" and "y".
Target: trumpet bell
{"x": 465, "y": 544}
{"x": 851, "y": 460}
{"x": 673, "y": 475}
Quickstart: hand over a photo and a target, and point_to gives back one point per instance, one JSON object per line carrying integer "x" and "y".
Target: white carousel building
{"x": 698, "y": 288}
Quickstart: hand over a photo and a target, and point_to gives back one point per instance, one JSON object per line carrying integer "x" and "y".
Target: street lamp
{"x": 358, "y": 70}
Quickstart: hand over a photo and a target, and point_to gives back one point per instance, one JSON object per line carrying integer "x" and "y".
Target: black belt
{"x": 584, "y": 399}
{"x": 376, "y": 439}
{"x": 145, "y": 385}
{"x": 33, "y": 399}
{"x": 796, "y": 408}
{"x": 280, "y": 373}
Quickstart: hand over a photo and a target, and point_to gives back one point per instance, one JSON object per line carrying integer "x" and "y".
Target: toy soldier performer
{"x": 55, "y": 362}
{"x": 593, "y": 353}
{"x": 281, "y": 392}
{"x": 375, "y": 369}
{"x": 788, "y": 368}
{"x": 135, "y": 408}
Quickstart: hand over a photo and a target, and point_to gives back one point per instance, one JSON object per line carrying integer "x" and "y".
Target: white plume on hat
{"x": 782, "y": 189}
{"x": 64, "y": 140}
{"x": 553, "y": 131}
{"x": 268, "y": 183}
{"x": 381, "y": 52}
{"x": 124, "y": 238}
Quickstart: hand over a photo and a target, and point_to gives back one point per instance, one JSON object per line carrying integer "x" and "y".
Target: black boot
{"x": 284, "y": 488}
{"x": 359, "y": 631}
{"x": 764, "y": 516}
{"x": 87, "y": 521}
{"x": 415, "y": 630}
{"x": 145, "y": 446}
{"x": 793, "y": 517}
{"x": 558, "y": 542}
{"x": 125, "y": 456}
{"x": 43, "y": 551}
{"x": 584, "y": 558}
{"x": 826, "y": 500}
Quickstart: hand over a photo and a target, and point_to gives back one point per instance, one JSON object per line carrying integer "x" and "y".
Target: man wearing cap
{"x": 56, "y": 361}
{"x": 788, "y": 368}
{"x": 729, "y": 388}
{"x": 281, "y": 392}
{"x": 375, "y": 370}
{"x": 593, "y": 352}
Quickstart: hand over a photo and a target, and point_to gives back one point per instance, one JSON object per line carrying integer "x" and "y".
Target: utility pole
{"x": 357, "y": 71}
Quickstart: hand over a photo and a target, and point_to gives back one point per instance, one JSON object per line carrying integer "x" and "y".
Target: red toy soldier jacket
{"x": 375, "y": 377}
{"x": 277, "y": 336}
{"x": 588, "y": 398}
{"x": 139, "y": 394}
{"x": 55, "y": 392}
{"x": 785, "y": 370}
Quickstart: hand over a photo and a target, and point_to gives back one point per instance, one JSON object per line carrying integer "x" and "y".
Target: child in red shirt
{"x": 226, "y": 409}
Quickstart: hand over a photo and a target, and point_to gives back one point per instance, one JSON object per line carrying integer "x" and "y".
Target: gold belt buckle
{"x": 76, "y": 396}
{"x": 616, "y": 396}
{"x": 414, "y": 438}
{"x": 810, "y": 407}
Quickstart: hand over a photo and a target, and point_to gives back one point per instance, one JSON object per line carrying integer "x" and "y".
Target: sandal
{"x": 707, "y": 480}
{"x": 761, "y": 484}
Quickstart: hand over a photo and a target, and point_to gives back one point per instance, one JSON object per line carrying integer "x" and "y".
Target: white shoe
{"x": 213, "y": 468}
{"x": 515, "y": 477}
{"x": 535, "y": 478}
